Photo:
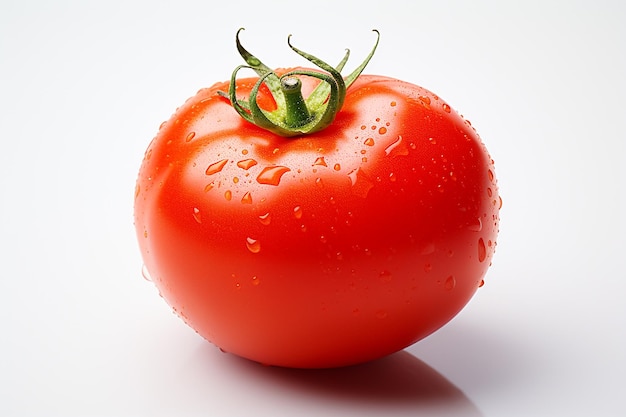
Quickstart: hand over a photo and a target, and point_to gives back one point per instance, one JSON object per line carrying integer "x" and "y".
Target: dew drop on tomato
{"x": 247, "y": 198}
{"x": 482, "y": 250}
{"x": 246, "y": 164}
{"x": 272, "y": 175}
{"x": 297, "y": 212}
{"x": 361, "y": 185}
{"x": 197, "y": 215}
{"x": 476, "y": 227}
{"x": 397, "y": 148}
{"x": 369, "y": 142}
{"x": 253, "y": 245}
{"x": 320, "y": 161}
{"x": 446, "y": 108}
{"x": 385, "y": 276}
{"x": 265, "y": 219}
{"x": 228, "y": 195}
{"x": 216, "y": 167}
{"x": 450, "y": 283}
{"x": 145, "y": 273}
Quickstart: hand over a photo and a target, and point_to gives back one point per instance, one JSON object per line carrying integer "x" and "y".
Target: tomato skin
{"x": 323, "y": 250}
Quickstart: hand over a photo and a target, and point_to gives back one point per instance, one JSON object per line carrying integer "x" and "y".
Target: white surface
{"x": 83, "y": 89}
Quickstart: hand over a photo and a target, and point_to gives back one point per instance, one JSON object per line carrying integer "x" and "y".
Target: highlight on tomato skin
{"x": 307, "y": 247}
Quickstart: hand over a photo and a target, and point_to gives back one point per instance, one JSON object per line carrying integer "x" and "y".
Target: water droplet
{"x": 489, "y": 192}
{"x": 297, "y": 212}
{"x": 253, "y": 245}
{"x": 190, "y": 136}
{"x": 381, "y": 314}
{"x": 197, "y": 215}
{"x": 393, "y": 177}
{"x": 397, "y": 148}
{"x": 425, "y": 101}
{"x": 247, "y": 198}
{"x": 265, "y": 219}
{"x": 446, "y": 108}
{"x": 499, "y": 203}
{"x": 228, "y": 195}
{"x": 450, "y": 283}
{"x": 393, "y": 104}
{"x": 428, "y": 249}
{"x": 319, "y": 182}
{"x": 476, "y": 227}
{"x": 246, "y": 164}
{"x": 216, "y": 167}
{"x": 320, "y": 161}
{"x": 369, "y": 142}
{"x": 432, "y": 141}
{"x": 145, "y": 273}
{"x": 272, "y": 175}
{"x": 323, "y": 239}
{"x": 490, "y": 175}
{"x": 137, "y": 190}
{"x": 382, "y": 130}
{"x": 481, "y": 283}
{"x": 385, "y": 276}
{"x": 208, "y": 187}
{"x": 482, "y": 250}
{"x": 255, "y": 281}
{"x": 236, "y": 180}
{"x": 244, "y": 152}
{"x": 337, "y": 167}
{"x": 361, "y": 184}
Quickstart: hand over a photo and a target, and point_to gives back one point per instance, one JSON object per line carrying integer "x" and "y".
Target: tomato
{"x": 323, "y": 249}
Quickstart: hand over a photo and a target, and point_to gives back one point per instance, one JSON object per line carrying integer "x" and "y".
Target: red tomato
{"x": 320, "y": 250}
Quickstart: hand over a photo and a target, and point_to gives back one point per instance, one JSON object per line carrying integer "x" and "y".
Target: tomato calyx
{"x": 294, "y": 115}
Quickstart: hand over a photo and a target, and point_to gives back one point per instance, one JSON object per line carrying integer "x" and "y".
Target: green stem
{"x": 296, "y": 112}
{"x": 295, "y": 115}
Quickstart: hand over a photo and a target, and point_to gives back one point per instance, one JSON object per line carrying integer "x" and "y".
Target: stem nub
{"x": 295, "y": 115}
{"x": 296, "y": 112}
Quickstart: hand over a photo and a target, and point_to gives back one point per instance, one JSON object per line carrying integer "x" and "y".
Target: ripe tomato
{"x": 320, "y": 250}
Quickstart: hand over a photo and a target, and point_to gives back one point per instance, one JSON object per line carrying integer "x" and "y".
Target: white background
{"x": 83, "y": 89}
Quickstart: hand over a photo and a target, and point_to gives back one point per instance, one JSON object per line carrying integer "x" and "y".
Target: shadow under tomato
{"x": 397, "y": 382}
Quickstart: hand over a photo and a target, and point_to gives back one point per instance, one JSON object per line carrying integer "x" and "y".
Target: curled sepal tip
{"x": 295, "y": 115}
